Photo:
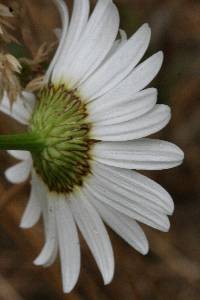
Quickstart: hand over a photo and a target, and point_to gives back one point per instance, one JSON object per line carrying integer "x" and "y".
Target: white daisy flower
{"x": 87, "y": 131}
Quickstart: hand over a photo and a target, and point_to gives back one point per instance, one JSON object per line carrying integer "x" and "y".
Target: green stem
{"x": 24, "y": 141}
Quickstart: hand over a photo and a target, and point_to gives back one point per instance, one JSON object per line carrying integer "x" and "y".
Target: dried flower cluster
{"x": 36, "y": 65}
{"x": 9, "y": 65}
{"x": 9, "y": 81}
{"x": 13, "y": 70}
{"x": 5, "y": 25}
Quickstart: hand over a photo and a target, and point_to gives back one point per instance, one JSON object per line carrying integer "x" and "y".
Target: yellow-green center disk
{"x": 60, "y": 120}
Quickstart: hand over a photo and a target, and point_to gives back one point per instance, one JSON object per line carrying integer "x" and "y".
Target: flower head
{"x": 87, "y": 131}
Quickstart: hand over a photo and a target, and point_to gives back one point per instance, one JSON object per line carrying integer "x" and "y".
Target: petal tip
{"x": 36, "y": 262}
{"x": 166, "y": 226}
{"x": 146, "y": 26}
{"x": 24, "y": 225}
{"x": 67, "y": 290}
{"x": 159, "y": 57}
{"x": 68, "y": 287}
{"x": 181, "y": 154}
{"x": 145, "y": 250}
{"x": 107, "y": 280}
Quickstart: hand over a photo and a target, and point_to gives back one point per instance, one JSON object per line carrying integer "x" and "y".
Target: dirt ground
{"x": 171, "y": 271}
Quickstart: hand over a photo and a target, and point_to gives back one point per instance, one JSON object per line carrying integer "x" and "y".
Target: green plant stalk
{"x": 28, "y": 141}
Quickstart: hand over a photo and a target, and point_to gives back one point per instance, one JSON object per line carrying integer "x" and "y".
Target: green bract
{"x": 59, "y": 120}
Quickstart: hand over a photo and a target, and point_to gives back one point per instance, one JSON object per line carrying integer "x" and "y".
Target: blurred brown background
{"x": 171, "y": 271}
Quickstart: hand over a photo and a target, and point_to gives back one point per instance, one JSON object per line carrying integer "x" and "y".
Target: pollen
{"x": 60, "y": 119}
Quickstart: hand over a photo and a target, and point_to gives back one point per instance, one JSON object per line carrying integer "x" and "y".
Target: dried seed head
{"x": 12, "y": 63}
{"x": 43, "y": 55}
{"x": 5, "y": 25}
{"x": 35, "y": 85}
{"x": 9, "y": 81}
{"x": 5, "y": 11}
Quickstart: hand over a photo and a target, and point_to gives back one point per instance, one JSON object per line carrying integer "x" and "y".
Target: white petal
{"x": 118, "y": 199}
{"x": 142, "y": 126}
{"x": 58, "y": 33}
{"x": 20, "y": 172}
{"x": 95, "y": 234}
{"x": 124, "y": 226}
{"x": 94, "y": 44}
{"x": 41, "y": 189}
{"x": 62, "y": 8}
{"x": 143, "y": 102}
{"x": 68, "y": 244}
{"x": 141, "y": 189}
{"x": 48, "y": 254}
{"x": 41, "y": 192}
{"x": 143, "y": 154}
{"x": 33, "y": 209}
{"x": 118, "y": 66}
{"x": 20, "y": 154}
{"x": 117, "y": 44}
{"x": 29, "y": 101}
{"x": 77, "y": 25}
{"x": 126, "y": 90}
{"x": 21, "y": 109}
{"x": 49, "y": 251}
{"x": 78, "y": 22}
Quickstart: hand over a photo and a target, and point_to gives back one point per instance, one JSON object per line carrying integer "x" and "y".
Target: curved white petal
{"x": 117, "y": 44}
{"x": 141, "y": 76}
{"x": 41, "y": 189}
{"x": 125, "y": 227}
{"x": 20, "y": 154}
{"x": 142, "y": 126}
{"x": 29, "y": 101}
{"x": 48, "y": 254}
{"x": 58, "y": 33}
{"x": 62, "y": 8}
{"x": 143, "y": 102}
{"x": 32, "y": 212}
{"x": 143, "y": 154}
{"x": 118, "y": 66}
{"x": 19, "y": 172}
{"x": 136, "y": 187}
{"x": 94, "y": 44}
{"x": 118, "y": 199}
{"x": 95, "y": 234}
{"x": 77, "y": 25}
{"x": 49, "y": 251}
{"x": 68, "y": 244}
{"x": 21, "y": 108}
